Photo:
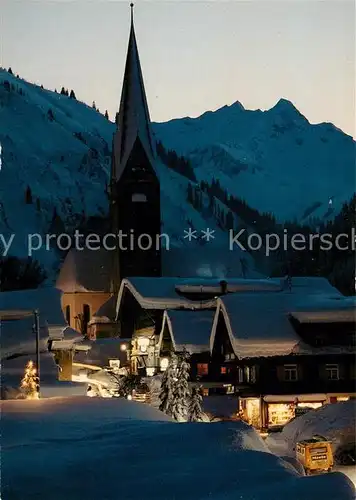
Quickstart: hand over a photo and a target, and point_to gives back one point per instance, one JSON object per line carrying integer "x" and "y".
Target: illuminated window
{"x": 142, "y": 344}
{"x": 223, "y": 370}
{"x": 290, "y": 373}
{"x": 205, "y": 391}
{"x": 240, "y": 375}
{"x": 332, "y": 372}
{"x": 253, "y": 374}
{"x": 279, "y": 414}
{"x": 202, "y": 368}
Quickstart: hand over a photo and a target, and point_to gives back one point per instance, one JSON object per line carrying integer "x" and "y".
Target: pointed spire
{"x": 134, "y": 119}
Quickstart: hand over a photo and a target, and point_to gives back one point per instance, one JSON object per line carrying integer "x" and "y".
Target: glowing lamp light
{"x": 129, "y": 397}
{"x": 143, "y": 343}
{"x": 150, "y": 372}
{"x": 164, "y": 364}
{"x": 123, "y": 347}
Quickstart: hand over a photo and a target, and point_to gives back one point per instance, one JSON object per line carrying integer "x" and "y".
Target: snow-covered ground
{"x": 70, "y": 448}
{"x": 336, "y": 422}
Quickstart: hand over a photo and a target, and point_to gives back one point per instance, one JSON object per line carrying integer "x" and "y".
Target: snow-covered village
{"x": 165, "y": 334}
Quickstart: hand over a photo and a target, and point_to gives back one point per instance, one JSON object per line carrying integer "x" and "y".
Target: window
{"x": 332, "y": 372}
{"x": 223, "y": 370}
{"x": 240, "y": 375}
{"x": 253, "y": 374}
{"x": 290, "y": 373}
{"x": 68, "y": 315}
{"x": 202, "y": 368}
{"x": 86, "y": 318}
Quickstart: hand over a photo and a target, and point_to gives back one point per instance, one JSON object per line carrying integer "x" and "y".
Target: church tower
{"x": 135, "y": 188}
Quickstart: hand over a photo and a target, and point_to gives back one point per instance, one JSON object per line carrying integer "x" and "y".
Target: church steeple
{"x": 135, "y": 187}
{"x": 134, "y": 118}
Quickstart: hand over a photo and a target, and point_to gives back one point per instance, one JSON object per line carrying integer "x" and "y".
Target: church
{"x": 90, "y": 280}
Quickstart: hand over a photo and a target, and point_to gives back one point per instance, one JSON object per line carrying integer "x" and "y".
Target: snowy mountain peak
{"x": 286, "y": 108}
{"x": 238, "y": 105}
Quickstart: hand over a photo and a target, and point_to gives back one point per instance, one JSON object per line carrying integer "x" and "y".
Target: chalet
{"x": 285, "y": 350}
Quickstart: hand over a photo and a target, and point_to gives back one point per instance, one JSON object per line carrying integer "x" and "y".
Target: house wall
{"x": 76, "y": 301}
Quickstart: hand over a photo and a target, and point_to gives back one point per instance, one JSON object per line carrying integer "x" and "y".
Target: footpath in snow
{"x": 72, "y": 448}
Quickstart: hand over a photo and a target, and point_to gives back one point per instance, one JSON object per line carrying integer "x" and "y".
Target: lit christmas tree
{"x": 29, "y": 382}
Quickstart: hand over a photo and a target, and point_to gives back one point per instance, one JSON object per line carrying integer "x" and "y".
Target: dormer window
{"x": 139, "y": 198}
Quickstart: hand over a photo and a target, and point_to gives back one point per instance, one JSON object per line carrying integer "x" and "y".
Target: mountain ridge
{"x": 61, "y": 148}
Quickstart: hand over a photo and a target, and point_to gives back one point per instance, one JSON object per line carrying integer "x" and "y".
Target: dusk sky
{"x": 196, "y": 56}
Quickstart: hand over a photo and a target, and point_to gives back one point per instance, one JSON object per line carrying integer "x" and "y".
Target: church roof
{"x": 134, "y": 118}
{"x": 85, "y": 271}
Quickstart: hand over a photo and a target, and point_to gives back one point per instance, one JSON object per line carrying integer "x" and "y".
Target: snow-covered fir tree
{"x": 29, "y": 382}
{"x": 195, "y": 412}
{"x": 169, "y": 380}
{"x": 181, "y": 394}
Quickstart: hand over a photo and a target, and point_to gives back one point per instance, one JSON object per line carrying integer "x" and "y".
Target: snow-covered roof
{"x": 189, "y": 329}
{"x": 17, "y": 337}
{"x": 258, "y": 323}
{"x": 160, "y": 293}
{"x": 327, "y": 309}
{"x": 85, "y": 271}
{"x": 46, "y": 300}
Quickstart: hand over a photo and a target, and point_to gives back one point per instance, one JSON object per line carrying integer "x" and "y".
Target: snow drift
{"x": 93, "y": 448}
{"x": 336, "y": 422}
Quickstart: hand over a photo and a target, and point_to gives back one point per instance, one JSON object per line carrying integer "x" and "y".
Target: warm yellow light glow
{"x": 29, "y": 381}
{"x": 310, "y": 405}
{"x": 252, "y": 413}
{"x": 280, "y": 414}
{"x": 123, "y": 347}
{"x": 143, "y": 343}
{"x": 164, "y": 364}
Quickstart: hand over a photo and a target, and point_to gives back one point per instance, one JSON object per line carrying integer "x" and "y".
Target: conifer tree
{"x": 106, "y": 114}
{"x": 10, "y": 71}
{"x": 93, "y": 105}
{"x": 29, "y": 383}
{"x": 181, "y": 394}
{"x": 63, "y": 92}
{"x": 195, "y": 412}
{"x": 50, "y": 115}
{"x": 72, "y": 94}
{"x": 168, "y": 386}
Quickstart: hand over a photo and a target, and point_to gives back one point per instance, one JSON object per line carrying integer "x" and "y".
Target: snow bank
{"x": 112, "y": 448}
{"x": 336, "y": 422}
